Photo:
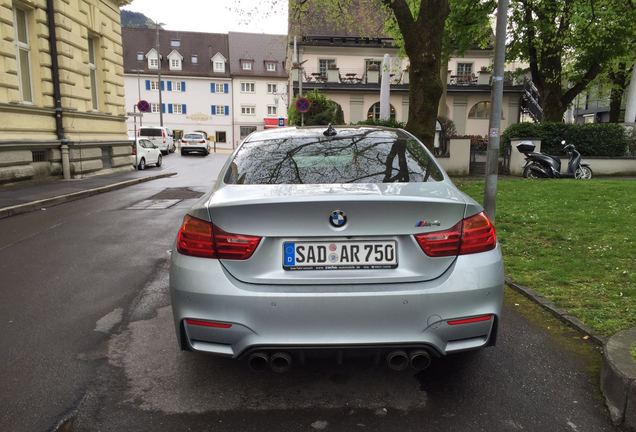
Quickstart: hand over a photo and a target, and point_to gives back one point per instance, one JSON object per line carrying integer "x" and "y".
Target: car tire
{"x": 159, "y": 161}
{"x": 183, "y": 153}
{"x": 142, "y": 164}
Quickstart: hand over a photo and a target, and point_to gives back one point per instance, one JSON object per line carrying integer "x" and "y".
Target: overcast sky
{"x": 216, "y": 16}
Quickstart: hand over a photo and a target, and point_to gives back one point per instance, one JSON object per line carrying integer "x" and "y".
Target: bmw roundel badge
{"x": 338, "y": 218}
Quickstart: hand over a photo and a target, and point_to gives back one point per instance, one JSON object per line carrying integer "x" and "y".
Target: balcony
{"x": 352, "y": 77}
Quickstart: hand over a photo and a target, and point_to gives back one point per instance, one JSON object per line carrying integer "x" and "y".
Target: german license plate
{"x": 340, "y": 255}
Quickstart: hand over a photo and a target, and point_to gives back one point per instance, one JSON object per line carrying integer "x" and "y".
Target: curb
{"x": 618, "y": 379}
{"x": 561, "y": 314}
{"x": 60, "y": 199}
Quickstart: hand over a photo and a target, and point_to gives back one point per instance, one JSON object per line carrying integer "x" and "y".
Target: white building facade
{"x": 196, "y": 87}
{"x": 260, "y": 82}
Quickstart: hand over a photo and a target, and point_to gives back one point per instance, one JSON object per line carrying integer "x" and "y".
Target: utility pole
{"x": 138, "y": 71}
{"x": 159, "y": 75}
{"x": 494, "y": 132}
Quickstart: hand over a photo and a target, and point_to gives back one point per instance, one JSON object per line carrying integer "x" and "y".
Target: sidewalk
{"x": 24, "y": 197}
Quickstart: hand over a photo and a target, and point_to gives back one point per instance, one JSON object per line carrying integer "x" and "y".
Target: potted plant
{"x": 333, "y": 73}
{"x": 373, "y": 74}
{"x": 484, "y": 76}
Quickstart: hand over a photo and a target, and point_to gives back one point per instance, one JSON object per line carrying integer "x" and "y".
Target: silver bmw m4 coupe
{"x": 335, "y": 240}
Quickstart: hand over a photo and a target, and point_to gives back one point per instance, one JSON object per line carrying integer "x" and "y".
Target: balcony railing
{"x": 352, "y": 76}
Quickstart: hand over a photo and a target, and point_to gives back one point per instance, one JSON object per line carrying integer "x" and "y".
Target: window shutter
{"x": 183, "y": 109}
{"x": 163, "y": 108}
{"x": 212, "y": 87}
{"x": 183, "y": 86}
{"x": 169, "y": 85}
{"x": 169, "y": 108}
{"x": 147, "y": 84}
{"x": 227, "y": 110}
{"x": 213, "y": 109}
{"x": 162, "y": 86}
{"x": 226, "y": 88}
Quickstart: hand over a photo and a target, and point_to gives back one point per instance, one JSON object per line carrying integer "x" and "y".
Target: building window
{"x": 154, "y": 85}
{"x": 194, "y": 59}
{"x": 248, "y": 110}
{"x": 154, "y": 108}
{"x": 272, "y": 110}
{"x": 374, "y": 112}
{"x": 140, "y": 56}
{"x": 271, "y": 88}
{"x": 246, "y": 130}
{"x": 153, "y": 63}
{"x": 92, "y": 69}
{"x": 464, "y": 69}
{"x": 220, "y": 137}
{"x": 246, "y": 65}
{"x": 247, "y": 87}
{"x": 175, "y": 64}
{"x": 480, "y": 110}
{"x": 177, "y": 109}
{"x": 219, "y": 66}
{"x": 323, "y": 65}
{"x": 24, "y": 54}
{"x": 218, "y": 110}
{"x": 176, "y": 86}
{"x": 270, "y": 66}
{"x": 175, "y": 43}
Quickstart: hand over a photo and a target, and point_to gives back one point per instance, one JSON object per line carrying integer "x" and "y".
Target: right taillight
{"x": 471, "y": 235}
{"x": 203, "y": 239}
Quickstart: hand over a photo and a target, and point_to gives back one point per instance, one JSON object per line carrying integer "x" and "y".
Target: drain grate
{"x": 165, "y": 199}
{"x": 154, "y": 204}
{"x": 176, "y": 193}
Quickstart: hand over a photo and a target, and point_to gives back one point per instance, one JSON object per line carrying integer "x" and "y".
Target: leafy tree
{"x": 322, "y": 111}
{"x": 568, "y": 43}
{"x": 420, "y": 28}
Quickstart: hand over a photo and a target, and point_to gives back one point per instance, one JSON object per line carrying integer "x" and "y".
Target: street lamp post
{"x": 159, "y": 75}
{"x": 138, "y": 71}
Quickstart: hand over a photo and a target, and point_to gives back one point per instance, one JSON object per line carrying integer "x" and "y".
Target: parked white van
{"x": 162, "y": 137}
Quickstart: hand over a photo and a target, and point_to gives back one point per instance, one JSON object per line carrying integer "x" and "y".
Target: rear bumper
{"x": 193, "y": 148}
{"x": 336, "y": 316}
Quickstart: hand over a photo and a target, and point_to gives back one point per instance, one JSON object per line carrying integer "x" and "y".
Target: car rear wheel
{"x": 159, "y": 160}
{"x": 142, "y": 164}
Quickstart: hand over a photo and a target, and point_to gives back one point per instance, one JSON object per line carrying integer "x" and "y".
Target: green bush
{"x": 593, "y": 139}
{"x": 322, "y": 111}
{"x": 392, "y": 123}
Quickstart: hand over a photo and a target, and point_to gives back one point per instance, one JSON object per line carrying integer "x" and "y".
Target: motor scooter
{"x": 541, "y": 165}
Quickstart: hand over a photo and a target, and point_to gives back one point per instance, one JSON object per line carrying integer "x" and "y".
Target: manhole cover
{"x": 154, "y": 204}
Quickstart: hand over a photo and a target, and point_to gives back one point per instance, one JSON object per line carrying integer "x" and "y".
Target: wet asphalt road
{"x": 87, "y": 335}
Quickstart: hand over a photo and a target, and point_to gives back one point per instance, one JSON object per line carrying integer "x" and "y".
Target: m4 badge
{"x": 425, "y": 223}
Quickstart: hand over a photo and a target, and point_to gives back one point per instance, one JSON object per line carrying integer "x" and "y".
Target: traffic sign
{"x": 143, "y": 106}
{"x": 281, "y": 121}
{"x": 302, "y": 105}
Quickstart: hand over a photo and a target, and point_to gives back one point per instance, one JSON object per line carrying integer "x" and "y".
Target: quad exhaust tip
{"x": 258, "y": 361}
{"x": 399, "y": 360}
{"x": 280, "y": 362}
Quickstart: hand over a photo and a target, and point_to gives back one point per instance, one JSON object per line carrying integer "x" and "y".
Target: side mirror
{"x": 562, "y": 142}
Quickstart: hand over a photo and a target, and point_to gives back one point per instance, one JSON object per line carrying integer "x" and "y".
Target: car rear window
{"x": 387, "y": 158}
{"x": 149, "y": 132}
{"x": 193, "y": 136}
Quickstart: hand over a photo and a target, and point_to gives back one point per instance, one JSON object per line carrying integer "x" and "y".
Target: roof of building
{"x": 258, "y": 49}
{"x": 203, "y": 45}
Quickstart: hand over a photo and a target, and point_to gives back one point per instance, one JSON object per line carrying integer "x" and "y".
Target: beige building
{"x": 61, "y": 89}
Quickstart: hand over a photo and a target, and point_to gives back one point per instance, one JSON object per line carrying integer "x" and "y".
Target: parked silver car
{"x": 348, "y": 239}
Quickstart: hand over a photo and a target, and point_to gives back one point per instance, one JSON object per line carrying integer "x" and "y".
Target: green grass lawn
{"x": 572, "y": 241}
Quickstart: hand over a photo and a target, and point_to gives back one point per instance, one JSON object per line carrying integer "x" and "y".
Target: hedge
{"x": 385, "y": 123}
{"x": 592, "y": 139}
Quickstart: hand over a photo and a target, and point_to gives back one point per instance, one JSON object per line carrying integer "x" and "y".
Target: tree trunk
{"x": 551, "y": 100}
{"x": 619, "y": 78}
{"x": 423, "y": 46}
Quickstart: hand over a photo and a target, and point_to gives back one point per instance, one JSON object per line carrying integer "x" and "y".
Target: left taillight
{"x": 471, "y": 235}
{"x": 203, "y": 239}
